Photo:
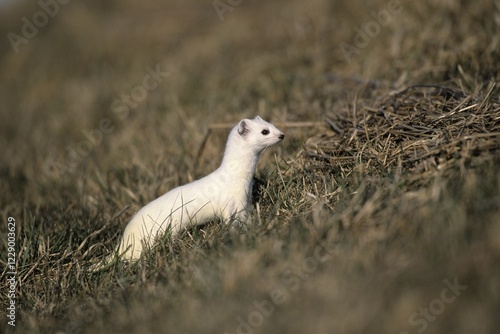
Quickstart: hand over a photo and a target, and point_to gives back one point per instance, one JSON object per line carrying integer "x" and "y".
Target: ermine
{"x": 224, "y": 194}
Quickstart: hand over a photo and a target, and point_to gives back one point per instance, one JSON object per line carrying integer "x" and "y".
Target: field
{"x": 378, "y": 213}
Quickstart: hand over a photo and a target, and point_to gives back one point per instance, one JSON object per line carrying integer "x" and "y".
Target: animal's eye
{"x": 265, "y": 132}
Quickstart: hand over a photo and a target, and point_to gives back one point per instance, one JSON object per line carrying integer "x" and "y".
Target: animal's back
{"x": 188, "y": 205}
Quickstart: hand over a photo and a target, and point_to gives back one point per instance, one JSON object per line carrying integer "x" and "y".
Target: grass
{"x": 381, "y": 217}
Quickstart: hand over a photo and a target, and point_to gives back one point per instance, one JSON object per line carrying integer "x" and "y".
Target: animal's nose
{"x": 281, "y": 136}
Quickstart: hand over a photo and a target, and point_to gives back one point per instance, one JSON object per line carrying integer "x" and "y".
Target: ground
{"x": 378, "y": 213}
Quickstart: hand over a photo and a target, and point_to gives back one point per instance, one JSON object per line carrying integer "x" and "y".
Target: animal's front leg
{"x": 238, "y": 220}
{"x": 240, "y": 217}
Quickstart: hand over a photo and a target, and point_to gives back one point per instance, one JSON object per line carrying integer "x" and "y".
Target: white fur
{"x": 224, "y": 194}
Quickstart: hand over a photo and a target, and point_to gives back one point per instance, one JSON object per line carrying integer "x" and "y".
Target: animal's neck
{"x": 239, "y": 161}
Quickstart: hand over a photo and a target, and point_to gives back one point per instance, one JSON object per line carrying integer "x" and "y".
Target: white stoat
{"x": 224, "y": 194}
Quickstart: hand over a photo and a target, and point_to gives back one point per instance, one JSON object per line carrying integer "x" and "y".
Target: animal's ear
{"x": 258, "y": 118}
{"x": 243, "y": 128}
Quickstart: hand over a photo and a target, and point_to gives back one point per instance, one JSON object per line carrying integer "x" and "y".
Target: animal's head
{"x": 258, "y": 133}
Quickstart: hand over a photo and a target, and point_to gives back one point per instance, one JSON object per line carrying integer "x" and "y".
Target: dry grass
{"x": 363, "y": 219}
{"x": 415, "y": 131}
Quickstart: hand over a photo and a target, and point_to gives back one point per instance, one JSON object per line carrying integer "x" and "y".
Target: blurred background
{"x": 65, "y": 66}
{"x": 105, "y": 104}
